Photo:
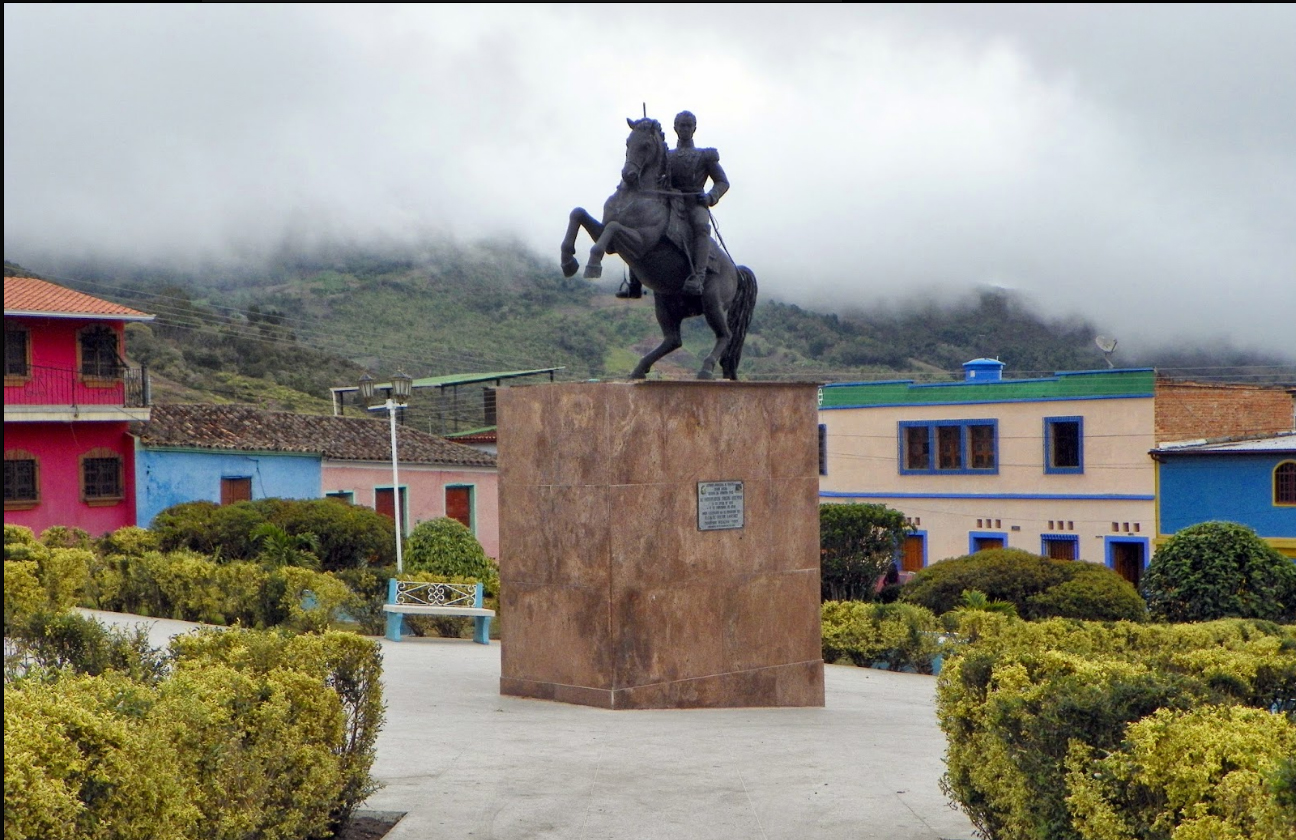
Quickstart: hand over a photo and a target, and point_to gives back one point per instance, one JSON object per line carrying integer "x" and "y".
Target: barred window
{"x": 101, "y": 476}
{"x": 17, "y": 351}
{"x": 21, "y": 479}
{"x": 1285, "y": 483}
{"x": 98, "y": 348}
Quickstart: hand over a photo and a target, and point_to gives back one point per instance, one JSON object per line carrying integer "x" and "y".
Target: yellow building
{"x": 1056, "y": 466}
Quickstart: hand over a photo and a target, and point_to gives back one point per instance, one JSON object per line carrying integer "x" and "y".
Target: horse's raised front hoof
{"x": 569, "y": 266}
{"x": 592, "y": 272}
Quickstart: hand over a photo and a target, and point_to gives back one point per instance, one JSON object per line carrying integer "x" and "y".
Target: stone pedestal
{"x": 611, "y": 594}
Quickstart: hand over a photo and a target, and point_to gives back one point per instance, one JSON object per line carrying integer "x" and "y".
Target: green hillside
{"x": 282, "y": 334}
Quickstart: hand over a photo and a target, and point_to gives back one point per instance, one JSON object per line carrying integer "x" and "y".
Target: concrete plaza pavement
{"x": 462, "y": 761}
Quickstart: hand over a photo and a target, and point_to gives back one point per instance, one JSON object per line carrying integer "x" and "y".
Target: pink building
{"x": 232, "y": 452}
{"x": 68, "y": 399}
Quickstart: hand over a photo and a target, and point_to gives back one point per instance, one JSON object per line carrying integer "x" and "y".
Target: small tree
{"x": 1220, "y": 570}
{"x": 857, "y": 544}
{"x": 445, "y": 547}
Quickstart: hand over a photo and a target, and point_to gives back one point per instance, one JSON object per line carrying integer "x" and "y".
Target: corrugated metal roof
{"x": 454, "y": 379}
{"x": 245, "y": 428}
{"x": 1282, "y": 442}
{"x": 32, "y": 296}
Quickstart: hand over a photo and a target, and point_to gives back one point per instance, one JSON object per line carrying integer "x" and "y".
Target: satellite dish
{"x": 1106, "y": 345}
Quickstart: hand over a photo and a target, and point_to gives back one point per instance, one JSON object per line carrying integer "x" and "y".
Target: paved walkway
{"x": 465, "y": 762}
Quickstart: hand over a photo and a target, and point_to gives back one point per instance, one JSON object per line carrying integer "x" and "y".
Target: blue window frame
{"x": 948, "y": 447}
{"x": 1064, "y": 445}
{"x": 984, "y": 540}
{"x": 1060, "y": 546}
{"x": 1127, "y": 556}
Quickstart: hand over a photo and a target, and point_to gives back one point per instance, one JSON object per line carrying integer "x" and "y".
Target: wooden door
{"x": 911, "y": 557}
{"x": 458, "y": 504}
{"x": 235, "y": 490}
{"x": 1127, "y": 560}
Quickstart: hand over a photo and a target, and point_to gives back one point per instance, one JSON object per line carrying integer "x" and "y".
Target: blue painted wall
{"x": 1232, "y": 488}
{"x": 168, "y": 477}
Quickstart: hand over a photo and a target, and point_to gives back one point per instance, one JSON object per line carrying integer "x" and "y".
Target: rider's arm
{"x": 719, "y": 183}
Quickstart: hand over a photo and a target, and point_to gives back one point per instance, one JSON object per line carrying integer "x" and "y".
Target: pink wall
{"x": 58, "y": 447}
{"x": 53, "y": 343}
{"x": 426, "y": 492}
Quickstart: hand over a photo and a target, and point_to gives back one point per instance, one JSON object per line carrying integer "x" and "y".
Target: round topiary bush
{"x": 1220, "y": 570}
{"x": 445, "y": 547}
{"x": 1038, "y": 586}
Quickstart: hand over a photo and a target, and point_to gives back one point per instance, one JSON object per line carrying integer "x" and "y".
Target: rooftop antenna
{"x": 645, "y": 107}
{"x": 1107, "y": 346}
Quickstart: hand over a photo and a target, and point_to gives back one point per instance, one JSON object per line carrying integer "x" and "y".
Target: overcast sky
{"x": 1136, "y": 165}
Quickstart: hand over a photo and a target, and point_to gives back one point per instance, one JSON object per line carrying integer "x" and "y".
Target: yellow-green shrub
{"x": 1017, "y": 697}
{"x": 64, "y": 572}
{"x": 258, "y": 746}
{"x": 314, "y": 600}
{"x": 350, "y": 666}
{"x": 898, "y": 636}
{"x": 19, "y": 542}
{"x": 81, "y": 762}
{"x": 1196, "y": 775}
{"x": 23, "y": 593}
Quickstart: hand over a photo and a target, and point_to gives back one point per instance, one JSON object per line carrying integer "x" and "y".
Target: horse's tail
{"x": 740, "y": 314}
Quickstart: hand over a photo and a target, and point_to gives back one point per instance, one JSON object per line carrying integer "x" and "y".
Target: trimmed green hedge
{"x": 234, "y": 734}
{"x": 897, "y": 637}
{"x": 1030, "y": 708}
{"x": 347, "y": 536}
{"x": 1037, "y": 586}
{"x": 1220, "y": 570}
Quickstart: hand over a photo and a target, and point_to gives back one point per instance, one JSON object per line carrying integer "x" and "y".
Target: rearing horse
{"x": 643, "y": 223}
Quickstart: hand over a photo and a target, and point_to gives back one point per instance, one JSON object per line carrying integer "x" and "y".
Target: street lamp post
{"x": 397, "y": 396}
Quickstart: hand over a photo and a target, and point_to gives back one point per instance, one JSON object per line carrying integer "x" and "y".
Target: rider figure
{"x": 690, "y": 168}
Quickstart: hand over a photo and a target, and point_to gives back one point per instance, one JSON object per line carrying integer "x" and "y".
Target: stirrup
{"x": 630, "y": 290}
{"x": 693, "y": 286}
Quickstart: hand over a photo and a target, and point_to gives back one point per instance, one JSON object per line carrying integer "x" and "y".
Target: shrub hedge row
{"x": 897, "y": 637}
{"x": 236, "y": 733}
{"x": 1066, "y": 730}
{"x": 1038, "y": 586}
{"x": 228, "y": 734}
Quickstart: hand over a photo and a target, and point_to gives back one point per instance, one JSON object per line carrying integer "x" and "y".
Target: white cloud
{"x": 1136, "y": 165}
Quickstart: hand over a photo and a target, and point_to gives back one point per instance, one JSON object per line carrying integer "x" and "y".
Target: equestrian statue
{"x": 658, "y": 222}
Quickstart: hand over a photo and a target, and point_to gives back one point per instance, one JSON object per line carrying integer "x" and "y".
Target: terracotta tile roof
{"x": 252, "y": 429}
{"x": 28, "y": 295}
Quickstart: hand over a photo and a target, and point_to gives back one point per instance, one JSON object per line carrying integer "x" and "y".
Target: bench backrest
{"x": 434, "y": 594}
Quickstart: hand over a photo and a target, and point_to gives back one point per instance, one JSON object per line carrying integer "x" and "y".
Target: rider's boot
{"x": 701, "y": 256}
{"x": 631, "y": 288}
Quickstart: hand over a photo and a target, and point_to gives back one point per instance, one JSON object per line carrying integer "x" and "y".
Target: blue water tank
{"x": 983, "y": 370}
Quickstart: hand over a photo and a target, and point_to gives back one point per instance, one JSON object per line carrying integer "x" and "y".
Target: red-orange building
{"x": 68, "y": 399}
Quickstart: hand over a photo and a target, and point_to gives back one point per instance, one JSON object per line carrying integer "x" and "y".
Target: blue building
{"x": 182, "y": 455}
{"x": 1251, "y": 482}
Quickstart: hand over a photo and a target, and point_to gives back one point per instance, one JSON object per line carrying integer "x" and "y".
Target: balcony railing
{"x": 53, "y": 386}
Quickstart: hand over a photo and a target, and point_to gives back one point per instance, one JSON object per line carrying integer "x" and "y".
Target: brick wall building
{"x": 1193, "y": 410}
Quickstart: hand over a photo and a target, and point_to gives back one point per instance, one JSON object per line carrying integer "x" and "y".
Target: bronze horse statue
{"x": 643, "y": 223}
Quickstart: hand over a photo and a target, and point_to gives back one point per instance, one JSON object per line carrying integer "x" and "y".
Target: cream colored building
{"x": 1056, "y": 466}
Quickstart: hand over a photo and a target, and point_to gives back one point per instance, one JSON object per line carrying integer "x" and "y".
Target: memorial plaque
{"x": 720, "y": 505}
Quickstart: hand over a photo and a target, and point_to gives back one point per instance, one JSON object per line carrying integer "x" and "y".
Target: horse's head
{"x": 645, "y": 152}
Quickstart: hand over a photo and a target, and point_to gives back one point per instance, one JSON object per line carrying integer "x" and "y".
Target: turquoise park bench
{"x": 411, "y": 597}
